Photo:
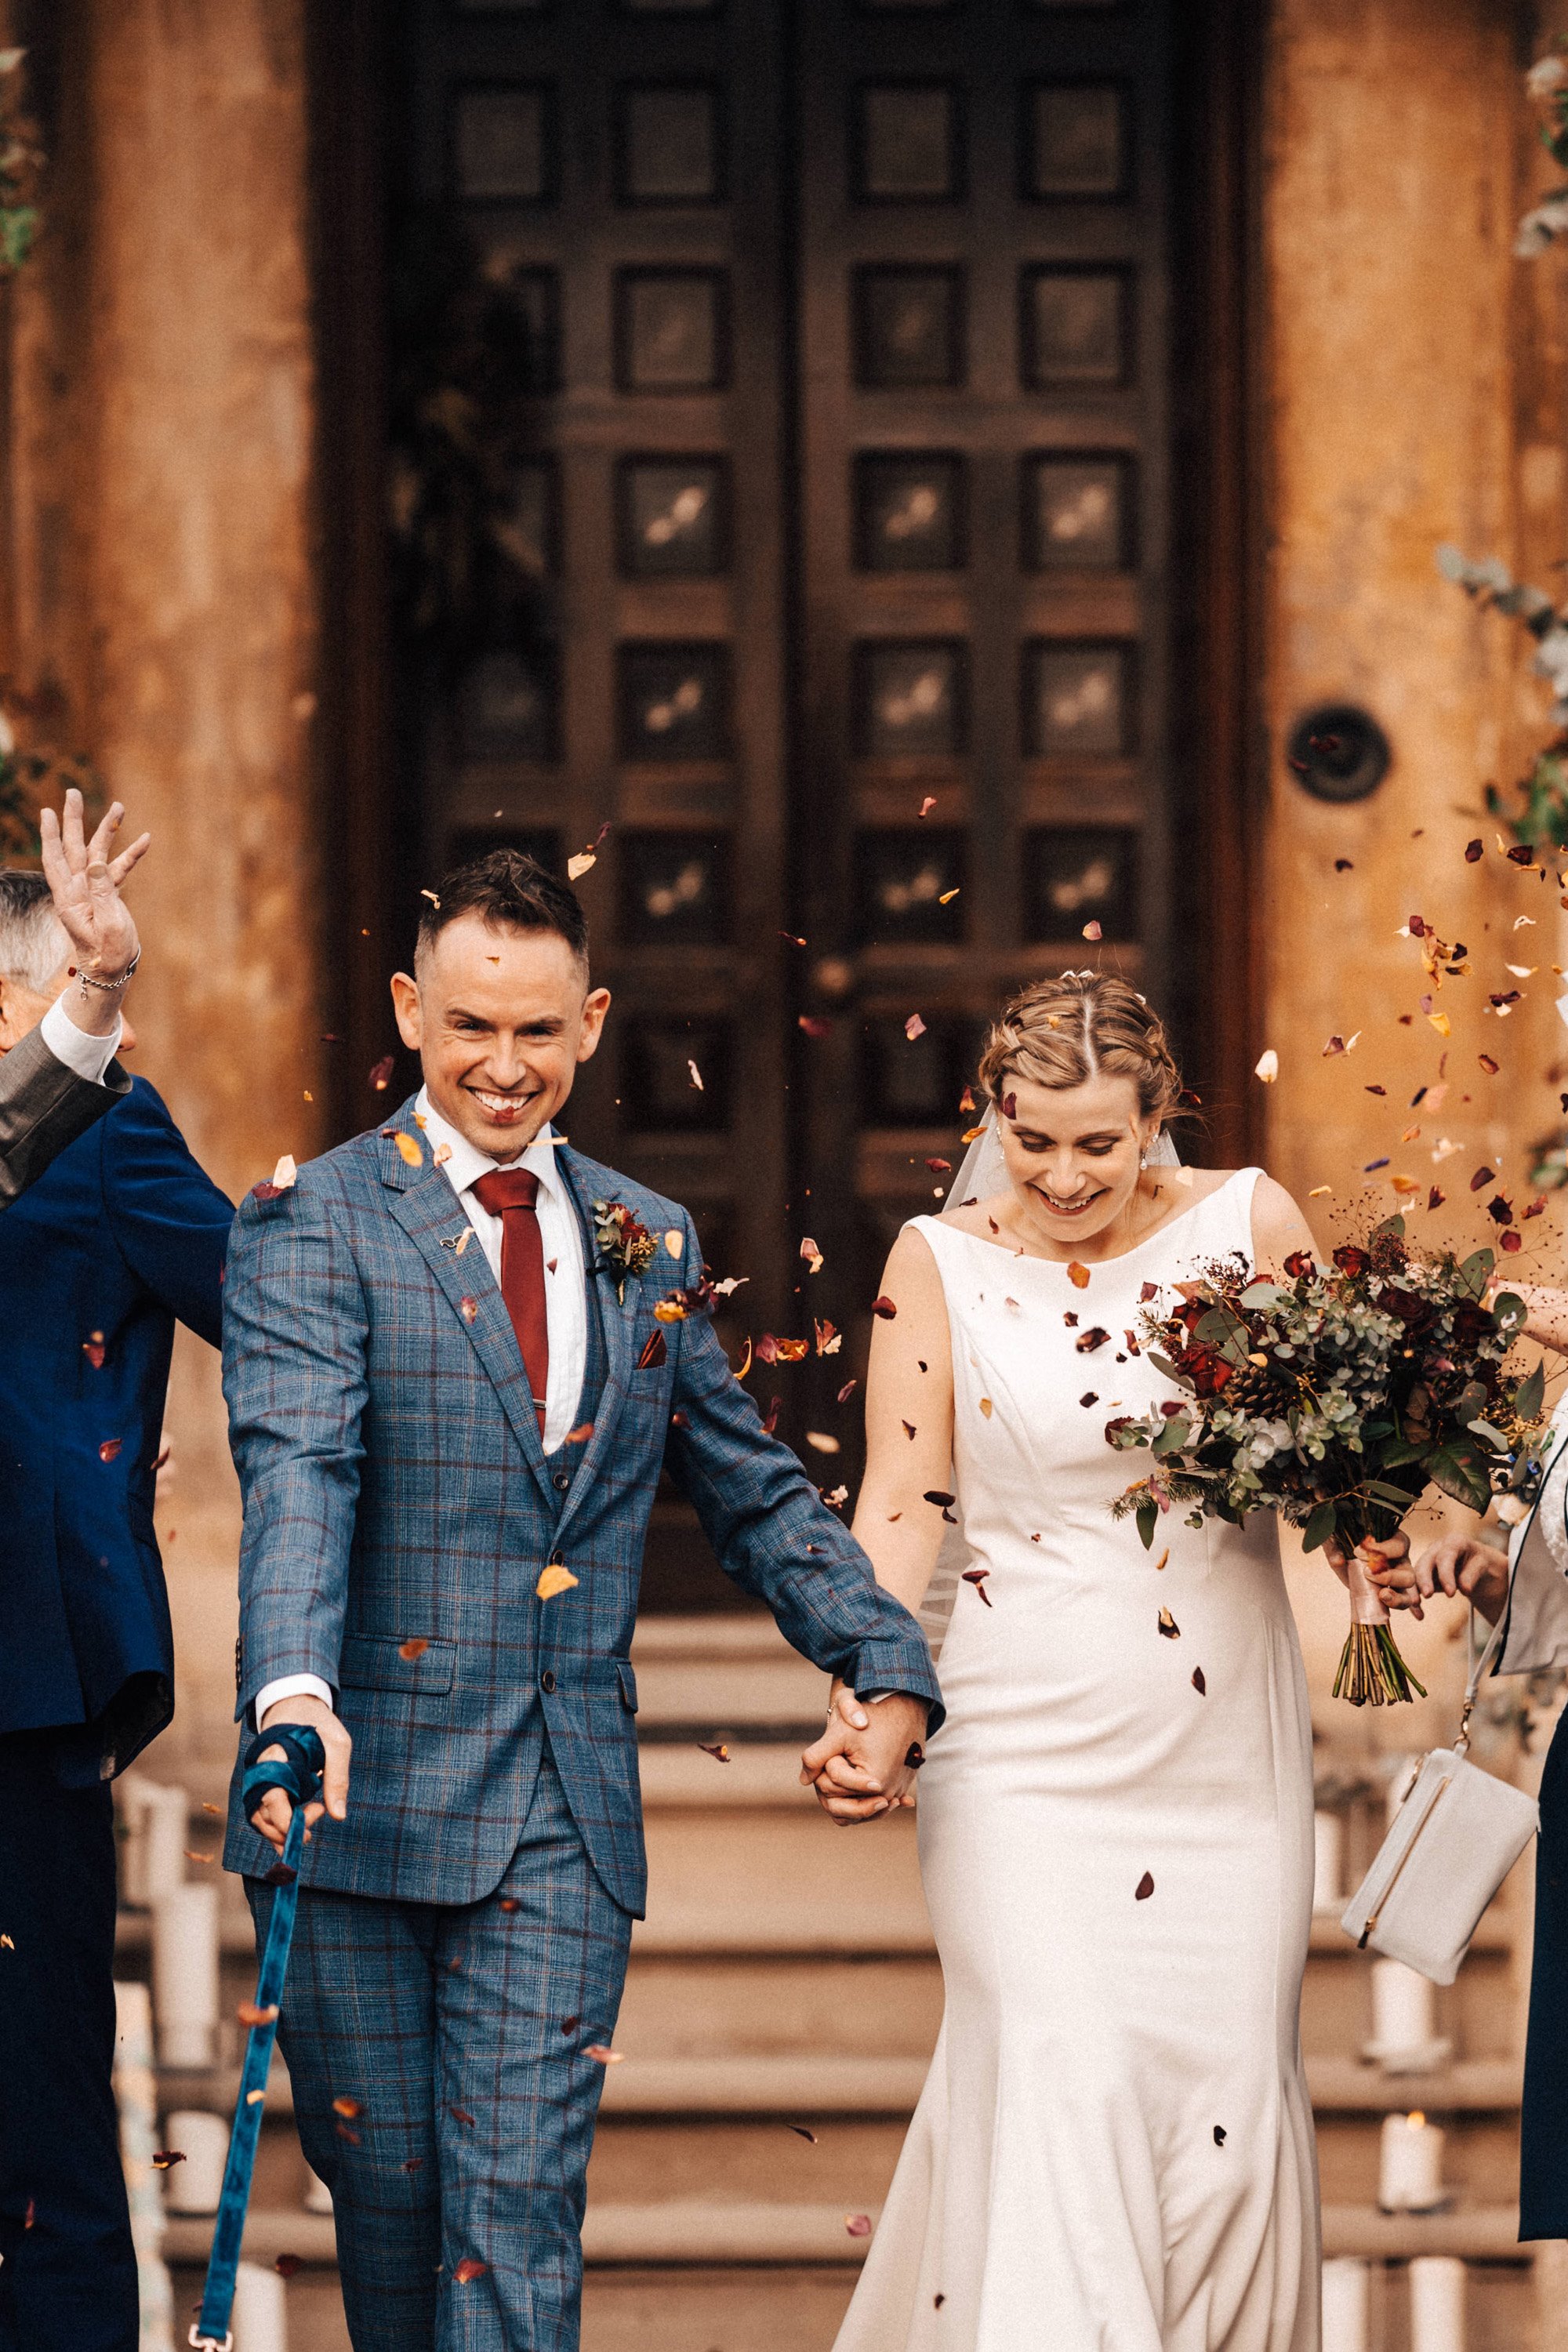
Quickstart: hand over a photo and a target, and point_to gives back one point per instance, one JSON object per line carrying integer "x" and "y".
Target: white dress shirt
{"x": 89, "y": 1057}
{"x": 565, "y": 1295}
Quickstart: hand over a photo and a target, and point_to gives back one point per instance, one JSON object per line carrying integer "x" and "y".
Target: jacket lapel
{"x": 617, "y": 1318}
{"x": 434, "y": 1220}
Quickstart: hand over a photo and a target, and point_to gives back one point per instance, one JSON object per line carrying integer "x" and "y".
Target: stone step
{"x": 695, "y": 2231}
{"x": 682, "y": 2232}
{"x": 1345, "y": 2086}
{"x": 1477, "y": 2232}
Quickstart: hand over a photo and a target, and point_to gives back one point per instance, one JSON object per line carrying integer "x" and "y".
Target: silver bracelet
{"x": 111, "y": 987}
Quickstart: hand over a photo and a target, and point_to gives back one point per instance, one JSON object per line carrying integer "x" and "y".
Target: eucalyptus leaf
{"x": 1490, "y": 1437}
{"x": 1148, "y": 1518}
{"x": 1264, "y": 1293}
{"x": 1530, "y": 1394}
{"x": 1174, "y": 1436}
{"x": 1476, "y": 1271}
{"x": 1319, "y": 1527}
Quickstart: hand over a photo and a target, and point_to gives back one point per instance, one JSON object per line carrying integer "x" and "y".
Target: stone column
{"x": 166, "y": 606}
{"x": 1415, "y": 396}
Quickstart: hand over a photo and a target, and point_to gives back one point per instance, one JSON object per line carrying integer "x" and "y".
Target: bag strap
{"x": 1477, "y": 1668}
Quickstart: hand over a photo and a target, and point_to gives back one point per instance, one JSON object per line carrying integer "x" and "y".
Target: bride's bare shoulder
{"x": 979, "y": 1217}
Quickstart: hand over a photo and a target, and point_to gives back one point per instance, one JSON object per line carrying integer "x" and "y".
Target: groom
{"x": 458, "y": 1356}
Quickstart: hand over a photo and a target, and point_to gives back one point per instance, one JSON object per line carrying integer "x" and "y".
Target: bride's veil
{"x": 982, "y": 1173}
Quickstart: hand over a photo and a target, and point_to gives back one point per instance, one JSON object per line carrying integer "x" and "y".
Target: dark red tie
{"x": 511, "y": 1194}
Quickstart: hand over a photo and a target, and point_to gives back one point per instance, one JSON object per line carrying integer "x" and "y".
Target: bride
{"x": 1114, "y": 2151}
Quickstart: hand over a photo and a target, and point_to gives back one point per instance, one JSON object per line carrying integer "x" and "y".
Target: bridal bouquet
{"x": 1335, "y": 1399}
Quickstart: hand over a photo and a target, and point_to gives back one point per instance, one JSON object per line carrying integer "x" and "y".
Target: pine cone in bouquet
{"x": 1336, "y": 1397}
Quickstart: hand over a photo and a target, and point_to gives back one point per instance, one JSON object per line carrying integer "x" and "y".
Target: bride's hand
{"x": 1387, "y": 1564}
{"x": 864, "y": 1763}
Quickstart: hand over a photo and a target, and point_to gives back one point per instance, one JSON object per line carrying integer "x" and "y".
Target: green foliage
{"x": 1337, "y": 1400}
{"x": 20, "y": 166}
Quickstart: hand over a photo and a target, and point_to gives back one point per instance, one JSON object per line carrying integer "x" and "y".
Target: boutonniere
{"x": 623, "y": 1245}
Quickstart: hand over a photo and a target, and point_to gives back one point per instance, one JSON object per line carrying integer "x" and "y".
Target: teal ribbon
{"x": 299, "y": 1774}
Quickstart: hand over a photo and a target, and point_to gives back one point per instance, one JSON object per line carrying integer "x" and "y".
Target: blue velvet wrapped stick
{"x": 298, "y": 1772}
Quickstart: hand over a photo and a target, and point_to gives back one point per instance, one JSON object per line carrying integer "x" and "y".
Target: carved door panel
{"x": 983, "y": 289}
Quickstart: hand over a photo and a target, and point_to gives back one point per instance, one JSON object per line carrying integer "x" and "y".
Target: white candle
{"x": 318, "y": 2197}
{"x": 196, "y": 2186}
{"x": 260, "y": 2321}
{"x": 1404, "y": 2015}
{"x": 1437, "y": 2304}
{"x": 136, "y": 2095}
{"x": 1347, "y": 2296}
{"x": 185, "y": 1975}
{"x": 1329, "y": 1861}
{"x": 1410, "y": 2174}
{"x": 156, "y": 1821}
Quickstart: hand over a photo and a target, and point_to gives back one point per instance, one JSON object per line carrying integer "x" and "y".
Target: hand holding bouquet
{"x": 1335, "y": 1399}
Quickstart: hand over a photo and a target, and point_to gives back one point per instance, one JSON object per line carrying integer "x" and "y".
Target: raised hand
{"x": 85, "y": 884}
{"x": 865, "y": 1762}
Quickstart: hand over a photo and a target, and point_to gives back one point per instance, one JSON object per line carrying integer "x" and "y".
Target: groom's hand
{"x": 861, "y": 1766}
{"x": 275, "y": 1813}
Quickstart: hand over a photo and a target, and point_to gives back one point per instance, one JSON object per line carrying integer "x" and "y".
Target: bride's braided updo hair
{"x": 1075, "y": 1026}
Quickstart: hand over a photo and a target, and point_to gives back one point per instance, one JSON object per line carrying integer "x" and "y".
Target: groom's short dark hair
{"x": 510, "y": 891}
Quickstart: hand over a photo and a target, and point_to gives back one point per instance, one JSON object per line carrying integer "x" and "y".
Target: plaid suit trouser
{"x": 458, "y": 2031}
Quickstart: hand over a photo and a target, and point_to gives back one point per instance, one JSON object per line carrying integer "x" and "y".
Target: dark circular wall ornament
{"x": 1337, "y": 752}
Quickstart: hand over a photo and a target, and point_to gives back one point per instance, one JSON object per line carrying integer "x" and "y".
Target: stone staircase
{"x": 784, "y": 1985}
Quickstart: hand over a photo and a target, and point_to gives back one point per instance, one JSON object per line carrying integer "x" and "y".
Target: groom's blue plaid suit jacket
{"x": 398, "y": 1510}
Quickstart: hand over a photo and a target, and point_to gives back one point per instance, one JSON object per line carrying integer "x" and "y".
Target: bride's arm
{"x": 908, "y": 1425}
{"x": 1278, "y": 1228}
{"x": 909, "y": 1456}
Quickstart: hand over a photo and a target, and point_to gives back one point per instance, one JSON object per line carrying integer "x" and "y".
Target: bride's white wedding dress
{"x": 1114, "y": 2151}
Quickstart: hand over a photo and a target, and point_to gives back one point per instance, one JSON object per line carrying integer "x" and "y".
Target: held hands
{"x": 85, "y": 884}
{"x": 273, "y": 1817}
{"x": 860, "y": 1765}
{"x": 1461, "y": 1565}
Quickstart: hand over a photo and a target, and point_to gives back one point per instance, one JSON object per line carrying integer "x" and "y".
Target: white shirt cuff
{"x": 290, "y": 1686}
{"x": 89, "y": 1057}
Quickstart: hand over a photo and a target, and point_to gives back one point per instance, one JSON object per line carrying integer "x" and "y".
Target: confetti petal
{"x": 414, "y": 1648}
{"x": 554, "y": 1580}
{"x": 858, "y": 2225}
{"x": 1267, "y": 1067}
{"x": 1144, "y": 1888}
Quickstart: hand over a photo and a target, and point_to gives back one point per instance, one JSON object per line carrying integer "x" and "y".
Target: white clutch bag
{"x": 1449, "y": 1849}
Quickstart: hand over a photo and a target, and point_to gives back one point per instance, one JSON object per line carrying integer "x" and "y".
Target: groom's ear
{"x": 596, "y": 1004}
{"x": 405, "y": 1005}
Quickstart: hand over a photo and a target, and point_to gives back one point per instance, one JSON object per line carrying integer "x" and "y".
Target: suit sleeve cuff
{"x": 87, "y": 1057}
{"x": 290, "y": 1686}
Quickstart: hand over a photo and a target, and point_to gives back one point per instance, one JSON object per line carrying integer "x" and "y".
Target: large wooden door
{"x": 983, "y": 283}
{"x": 818, "y": 547}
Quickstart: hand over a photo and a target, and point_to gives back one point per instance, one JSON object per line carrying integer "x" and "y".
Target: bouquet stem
{"x": 1372, "y": 1671}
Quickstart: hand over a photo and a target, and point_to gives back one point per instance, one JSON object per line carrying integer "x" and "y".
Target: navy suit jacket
{"x": 122, "y": 1236}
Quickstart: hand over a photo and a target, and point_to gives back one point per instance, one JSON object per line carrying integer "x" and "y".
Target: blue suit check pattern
{"x": 396, "y": 1494}
{"x": 398, "y": 1510}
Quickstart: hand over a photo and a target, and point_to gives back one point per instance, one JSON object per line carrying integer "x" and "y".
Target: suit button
{"x": 547, "y": 1682}
{"x": 561, "y": 1481}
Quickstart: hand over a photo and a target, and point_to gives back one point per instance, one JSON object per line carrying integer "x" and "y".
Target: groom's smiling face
{"x": 499, "y": 1018}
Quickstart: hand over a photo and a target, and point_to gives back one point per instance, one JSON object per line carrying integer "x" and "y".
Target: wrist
{"x": 94, "y": 1011}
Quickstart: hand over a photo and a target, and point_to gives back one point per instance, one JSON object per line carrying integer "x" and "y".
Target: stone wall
{"x": 1414, "y": 394}
{"x": 161, "y": 606}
